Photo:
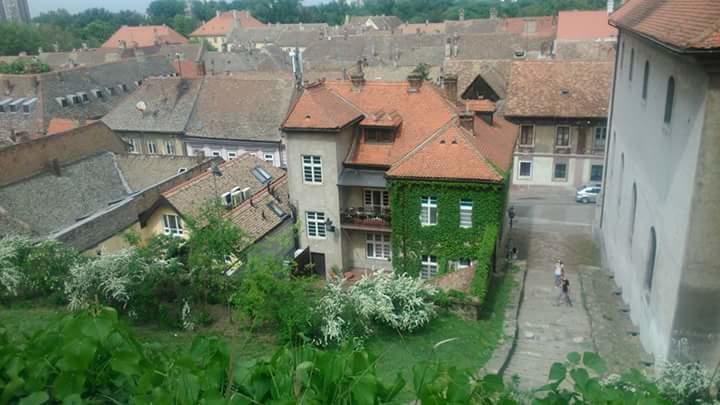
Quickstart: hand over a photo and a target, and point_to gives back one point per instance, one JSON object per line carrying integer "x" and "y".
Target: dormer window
{"x": 379, "y": 135}
{"x": 381, "y": 127}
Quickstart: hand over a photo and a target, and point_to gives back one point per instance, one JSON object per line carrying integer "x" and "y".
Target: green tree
{"x": 184, "y": 25}
{"x": 164, "y": 11}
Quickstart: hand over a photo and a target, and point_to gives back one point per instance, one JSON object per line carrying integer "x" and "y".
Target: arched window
{"x": 669, "y": 100}
{"x": 652, "y": 252}
{"x": 632, "y": 63}
{"x": 633, "y": 213}
{"x": 646, "y": 76}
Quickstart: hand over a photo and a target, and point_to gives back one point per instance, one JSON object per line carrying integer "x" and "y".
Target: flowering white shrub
{"x": 399, "y": 302}
{"x": 10, "y": 276}
{"x": 106, "y": 280}
{"x": 685, "y": 383}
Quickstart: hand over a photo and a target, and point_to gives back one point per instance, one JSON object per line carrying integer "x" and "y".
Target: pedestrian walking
{"x": 558, "y": 272}
{"x": 566, "y": 291}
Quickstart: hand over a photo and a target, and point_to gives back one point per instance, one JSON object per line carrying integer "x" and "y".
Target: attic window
{"x": 519, "y": 53}
{"x": 379, "y": 135}
{"x": 277, "y": 210}
{"x": 261, "y": 175}
{"x": 181, "y": 170}
{"x": 123, "y": 87}
{"x": 84, "y": 97}
{"x": 27, "y": 106}
{"x": 111, "y": 91}
{"x": 138, "y": 83}
{"x": 15, "y": 105}
{"x": 60, "y": 100}
{"x": 73, "y": 99}
{"x": 3, "y": 105}
{"x": 98, "y": 93}
{"x": 564, "y": 92}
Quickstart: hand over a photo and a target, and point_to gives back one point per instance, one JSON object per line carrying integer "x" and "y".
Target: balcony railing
{"x": 372, "y": 217}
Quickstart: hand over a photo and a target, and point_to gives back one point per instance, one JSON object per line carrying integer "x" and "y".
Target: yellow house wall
{"x": 116, "y": 243}
{"x": 155, "y": 226}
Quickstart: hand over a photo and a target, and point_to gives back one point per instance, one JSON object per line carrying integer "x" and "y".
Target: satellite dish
{"x": 141, "y": 106}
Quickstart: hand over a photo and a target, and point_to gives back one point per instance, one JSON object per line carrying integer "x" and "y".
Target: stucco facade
{"x": 541, "y": 161}
{"x": 659, "y": 212}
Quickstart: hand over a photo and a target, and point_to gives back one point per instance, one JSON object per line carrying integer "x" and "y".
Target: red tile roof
{"x": 382, "y": 119}
{"x": 584, "y": 25}
{"x": 321, "y": 108}
{"x": 682, "y": 24}
{"x": 222, "y": 24}
{"x": 543, "y": 26}
{"x": 567, "y": 89}
{"x": 497, "y": 141}
{"x": 450, "y": 154}
{"x": 59, "y": 125}
{"x": 144, "y": 36}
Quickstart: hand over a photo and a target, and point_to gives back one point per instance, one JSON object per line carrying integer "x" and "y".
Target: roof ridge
{"x": 470, "y": 139}
{"x": 261, "y": 192}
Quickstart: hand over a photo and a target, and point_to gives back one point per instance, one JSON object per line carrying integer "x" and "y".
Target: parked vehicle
{"x": 587, "y": 193}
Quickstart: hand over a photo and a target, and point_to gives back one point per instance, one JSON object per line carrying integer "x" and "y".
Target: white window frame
{"x": 169, "y": 147}
{"x": 269, "y": 157}
{"x": 569, "y": 136}
{"x": 466, "y": 213}
{"x": 520, "y": 163}
{"x": 532, "y": 136}
{"x": 428, "y": 266}
{"x": 216, "y": 153}
{"x": 459, "y": 264}
{"x": 232, "y": 155}
{"x": 369, "y": 198}
{"x": 427, "y": 206}
{"x": 315, "y": 225}
{"x": 312, "y": 169}
{"x": 171, "y": 229}
{"x": 378, "y": 245}
{"x": 599, "y": 130}
{"x": 133, "y": 145}
{"x": 151, "y": 147}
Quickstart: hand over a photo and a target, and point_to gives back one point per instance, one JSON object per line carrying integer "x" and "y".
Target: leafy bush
{"x": 685, "y": 383}
{"x": 33, "y": 269}
{"x": 400, "y": 302}
{"x": 267, "y": 294}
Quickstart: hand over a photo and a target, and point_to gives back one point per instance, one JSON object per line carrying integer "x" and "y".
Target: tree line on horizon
{"x": 67, "y": 31}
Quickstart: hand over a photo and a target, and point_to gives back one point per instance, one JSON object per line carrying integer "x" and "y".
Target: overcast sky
{"x": 39, "y": 6}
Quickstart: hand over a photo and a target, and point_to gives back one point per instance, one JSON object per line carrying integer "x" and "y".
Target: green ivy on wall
{"x": 446, "y": 240}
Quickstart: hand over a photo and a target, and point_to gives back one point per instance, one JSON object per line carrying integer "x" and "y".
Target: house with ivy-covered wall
{"x": 396, "y": 176}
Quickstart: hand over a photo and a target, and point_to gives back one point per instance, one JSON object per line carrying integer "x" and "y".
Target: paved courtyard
{"x": 550, "y": 225}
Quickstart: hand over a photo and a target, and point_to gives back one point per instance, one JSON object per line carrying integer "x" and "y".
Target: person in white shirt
{"x": 559, "y": 269}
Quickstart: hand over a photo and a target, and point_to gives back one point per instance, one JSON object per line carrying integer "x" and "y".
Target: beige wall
{"x": 355, "y": 252}
{"x": 142, "y": 139}
{"x": 114, "y": 244}
{"x": 155, "y": 226}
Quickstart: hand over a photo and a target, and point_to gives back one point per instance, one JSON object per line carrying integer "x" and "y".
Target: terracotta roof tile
{"x": 449, "y": 154}
{"x": 497, "y": 141}
{"x": 480, "y": 105}
{"x": 683, "y": 24}
{"x": 256, "y": 217}
{"x": 582, "y": 25}
{"x": 422, "y": 112}
{"x": 320, "y": 108}
{"x": 570, "y": 89}
{"x": 222, "y": 24}
{"x": 540, "y": 26}
{"x": 144, "y": 36}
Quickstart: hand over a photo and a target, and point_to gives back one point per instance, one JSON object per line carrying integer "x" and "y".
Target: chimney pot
{"x": 415, "y": 81}
{"x": 450, "y": 86}
{"x": 466, "y": 119}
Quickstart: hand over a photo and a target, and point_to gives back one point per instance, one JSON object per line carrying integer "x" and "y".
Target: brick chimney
{"x": 415, "y": 81}
{"x": 357, "y": 77}
{"x": 467, "y": 120}
{"x": 450, "y": 86}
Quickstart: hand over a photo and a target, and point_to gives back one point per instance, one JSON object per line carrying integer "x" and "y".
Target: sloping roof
{"x": 320, "y": 108}
{"x": 142, "y": 171}
{"x": 495, "y": 73}
{"x": 58, "y": 125}
{"x": 683, "y": 24}
{"x": 222, "y": 24}
{"x": 147, "y": 35}
{"x": 580, "y": 25}
{"x": 255, "y": 216}
{"x": 246, "y": 109}
{"x": 541, "y": 26}
{"x": 268, "y": 59}
{"x": 191, "y": 196}
{"x": 382, "y": 22}
{"x": 169, "y": 102}
{"x": 497, "y": 141}
{"x": 449, "y": 154}
{"x": 570, "y": 89}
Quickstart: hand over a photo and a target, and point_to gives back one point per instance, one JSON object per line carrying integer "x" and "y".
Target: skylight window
{"x": 261, "y": 175}
{"x": 277, "y": 210}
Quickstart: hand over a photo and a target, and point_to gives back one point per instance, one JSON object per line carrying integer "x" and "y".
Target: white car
{"x": 588, "y": 193}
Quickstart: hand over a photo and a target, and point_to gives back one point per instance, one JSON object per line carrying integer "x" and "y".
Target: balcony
{"x": 366, "y": 218}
